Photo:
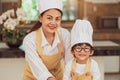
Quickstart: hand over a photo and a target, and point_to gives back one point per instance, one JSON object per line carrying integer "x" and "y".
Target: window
{"x": 69, "y": 9}
{"x": 30, "y": 7}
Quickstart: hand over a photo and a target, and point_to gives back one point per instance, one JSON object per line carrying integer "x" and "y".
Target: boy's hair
{"x": 80, "y": 44}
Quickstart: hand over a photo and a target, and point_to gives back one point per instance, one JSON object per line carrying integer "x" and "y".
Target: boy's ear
{"x": 72, "y": 52}
{"x": 92, "y": 52}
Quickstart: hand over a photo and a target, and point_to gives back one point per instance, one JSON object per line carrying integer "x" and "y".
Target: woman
{"x": 47, "y": 44}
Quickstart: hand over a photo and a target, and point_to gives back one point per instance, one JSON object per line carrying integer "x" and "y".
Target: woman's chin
{"x": 52, "y": 30}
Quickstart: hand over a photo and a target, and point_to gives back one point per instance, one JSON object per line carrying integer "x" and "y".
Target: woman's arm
{"x": 66, "y": 42}
{"x": 38, "y": 68}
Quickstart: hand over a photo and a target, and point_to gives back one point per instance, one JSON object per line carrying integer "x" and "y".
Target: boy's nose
{"x": 82, "y": 50}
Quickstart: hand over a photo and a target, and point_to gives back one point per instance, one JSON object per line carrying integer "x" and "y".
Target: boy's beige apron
{"x": 85, "y": 76}
{"x": 53, "y": 62}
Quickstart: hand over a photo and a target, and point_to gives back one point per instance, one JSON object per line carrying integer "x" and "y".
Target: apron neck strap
{"x": 39, "y": 41}
{"x": 87, "y": 69}
{"x": 88, "y": 65}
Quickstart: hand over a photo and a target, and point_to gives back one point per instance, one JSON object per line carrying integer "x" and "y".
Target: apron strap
{"x": 60, "y": 46}
{"x": 39, "y": 42}
{"x": 73, "y": 68}
{"x": 87, "y": 69}
{"x": 88, "y": 66}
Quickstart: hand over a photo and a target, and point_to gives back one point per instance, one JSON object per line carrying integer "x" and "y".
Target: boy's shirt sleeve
{"x": 95, "y": 71}
{"x": 67, "y": 72}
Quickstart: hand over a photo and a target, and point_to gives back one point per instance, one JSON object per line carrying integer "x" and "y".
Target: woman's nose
{"x": 53, "y": 21}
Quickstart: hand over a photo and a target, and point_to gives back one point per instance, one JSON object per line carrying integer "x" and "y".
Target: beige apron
{"x": 85, "y": 76}
{"x": 52, "y": 62}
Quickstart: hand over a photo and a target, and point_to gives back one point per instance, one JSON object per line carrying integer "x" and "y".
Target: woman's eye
{"x": 58, "y": 19}
{"x": 49, "y": 18}
{"x": 87, "y": 47}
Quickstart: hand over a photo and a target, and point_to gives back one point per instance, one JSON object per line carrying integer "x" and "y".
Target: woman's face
{"x": 50, "y": 20}
{"x": 82, "y": 53}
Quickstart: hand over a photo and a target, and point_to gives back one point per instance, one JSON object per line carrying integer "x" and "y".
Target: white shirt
{"x": 38, "y": 68}
{"x": 80, "y": 68}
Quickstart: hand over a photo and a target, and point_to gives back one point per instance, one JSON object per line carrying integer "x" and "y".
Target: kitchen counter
{"x": 106, "y": 48}
{"x": 6, "y": 52}
{"x": 11, "y": 53}
{"x": 102, "y": 48}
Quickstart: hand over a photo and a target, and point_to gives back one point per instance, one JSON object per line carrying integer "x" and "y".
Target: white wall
{"x": 111, "y": 64}
{"x": 11, "y": 68}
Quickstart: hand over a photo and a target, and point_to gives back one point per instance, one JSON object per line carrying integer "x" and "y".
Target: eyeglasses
{"x": 79, "y": 49}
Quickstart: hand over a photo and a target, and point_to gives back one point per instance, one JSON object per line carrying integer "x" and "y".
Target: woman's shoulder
{"x": 63, "y": 30}
{"x": 30, "y": 36}
{"x": 64, "y": 33}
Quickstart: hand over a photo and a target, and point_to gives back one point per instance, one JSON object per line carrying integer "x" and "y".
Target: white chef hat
{"x": 81, "y": 32}
{"x": 44, "y": 5}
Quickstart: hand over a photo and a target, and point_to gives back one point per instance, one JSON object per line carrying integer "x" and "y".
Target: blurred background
{"x": 104, "y": 16}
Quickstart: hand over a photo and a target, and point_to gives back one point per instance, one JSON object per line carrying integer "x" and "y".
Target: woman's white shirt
{"x": 38, "y": 68}
{"x": 80, "y": 68}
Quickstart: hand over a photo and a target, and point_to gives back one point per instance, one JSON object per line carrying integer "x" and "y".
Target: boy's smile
{"x": 82, "y": 53}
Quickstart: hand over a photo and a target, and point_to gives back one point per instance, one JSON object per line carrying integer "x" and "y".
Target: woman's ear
{"x": 92, "y": 52}
{"x": 40, "y": 18}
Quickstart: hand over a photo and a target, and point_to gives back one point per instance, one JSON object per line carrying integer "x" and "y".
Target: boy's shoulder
{"x": 93, "y": 62}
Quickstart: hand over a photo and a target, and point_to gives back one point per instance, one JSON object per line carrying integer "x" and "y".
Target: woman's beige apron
{"x": 52, "y": 62}
{"x": 85, "y": 76}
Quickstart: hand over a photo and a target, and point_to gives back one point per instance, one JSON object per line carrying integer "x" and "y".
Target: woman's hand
{"x": 51, "y": 78}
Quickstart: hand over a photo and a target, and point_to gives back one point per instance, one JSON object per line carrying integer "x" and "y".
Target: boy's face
{"x": 82, "y": 52}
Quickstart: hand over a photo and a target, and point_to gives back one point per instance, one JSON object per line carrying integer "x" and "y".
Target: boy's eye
{"x": 87, "y": 49}
{"x": 79, "y": 49}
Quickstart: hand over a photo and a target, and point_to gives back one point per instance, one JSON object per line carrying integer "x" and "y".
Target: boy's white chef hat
{"x": 81, "y": 32}
{"x": 44, "y": 5}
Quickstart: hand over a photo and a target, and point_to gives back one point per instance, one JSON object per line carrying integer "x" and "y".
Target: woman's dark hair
{"x": 80, "y": 44}
{"x": 38, "y": 24}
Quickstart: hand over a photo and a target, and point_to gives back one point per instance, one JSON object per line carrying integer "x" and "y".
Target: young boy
{"x": 82, "y": 67}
